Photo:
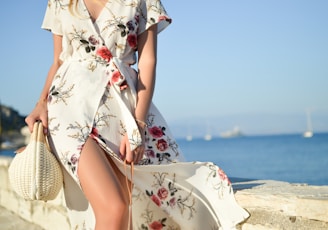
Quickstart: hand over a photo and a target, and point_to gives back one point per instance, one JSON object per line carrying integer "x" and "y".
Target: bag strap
{"x": 130, "y": 187}
{"x": 34, "y": 136}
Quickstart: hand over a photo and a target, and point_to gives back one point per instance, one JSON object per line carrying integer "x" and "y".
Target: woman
{"x": 98, "y": 114}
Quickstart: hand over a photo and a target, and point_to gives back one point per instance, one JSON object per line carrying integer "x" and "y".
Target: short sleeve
{"x": 152, "y": 12}
{"x": 51, "y": 20}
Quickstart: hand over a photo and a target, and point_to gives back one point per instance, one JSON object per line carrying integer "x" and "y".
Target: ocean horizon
{"x": 288, "y": 157}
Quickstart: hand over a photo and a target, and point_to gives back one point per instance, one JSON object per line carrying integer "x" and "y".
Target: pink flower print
{"x": 104, "y": 53}
{"x": 223, "y": 176}
{"x": 74, "y": 159}
{"x": 156, "y": 225}
{"x": 116, "y": 76}
{"x": 164, "y": 18}
{"x": 162, "y": 193}
{"x": 162, "y": 145}
{"x": 156, "y": 132}
{"x": 132, "y": 40}
{"x": 172, "y": 202}
{"x": 150, "y": 153}
{"x": 93, "y": 40}
{"x": 156, "y": 200}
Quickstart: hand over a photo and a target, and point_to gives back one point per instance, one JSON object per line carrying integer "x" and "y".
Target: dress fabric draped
{"x": 93, "y": 94}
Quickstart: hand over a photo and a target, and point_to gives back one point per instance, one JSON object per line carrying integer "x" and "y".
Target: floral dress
{"x": 93, "y": 95}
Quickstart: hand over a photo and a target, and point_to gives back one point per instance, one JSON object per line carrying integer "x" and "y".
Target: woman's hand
{"x": 39, "y": 113}
{"x": 132, "y": 156}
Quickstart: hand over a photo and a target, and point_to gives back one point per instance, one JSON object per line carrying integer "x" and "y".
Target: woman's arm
{"x": 147, "y": 51}
{"x": 54, "y": 67}
{"x": 40, "y": 111}
{"x": 147, "y": 58}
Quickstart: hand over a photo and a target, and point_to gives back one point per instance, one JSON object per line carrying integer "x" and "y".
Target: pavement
{"x": 11, "y": 221}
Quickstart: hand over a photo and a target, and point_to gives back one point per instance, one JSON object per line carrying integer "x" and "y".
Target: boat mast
{"x": 309, "y": 122}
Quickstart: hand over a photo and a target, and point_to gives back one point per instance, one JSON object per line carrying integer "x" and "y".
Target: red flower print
{"x": 164, "y": 18}
{"x": 162, "y": 193}
{"x": 223, "y": 176}
{"x": 156, "y": 225}
{"x": 156, "y": 132}
{"x": 104, "y": 53}
{"x": 116, "y": 76}
{"x": 156, "y": 200}
{"x": 150, "y": 153}
{"x": 162, "y": 145}
{"x": 132, "y": 40}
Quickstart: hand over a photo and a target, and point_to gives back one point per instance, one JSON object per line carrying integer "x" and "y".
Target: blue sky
{"x": 249, "y": 63}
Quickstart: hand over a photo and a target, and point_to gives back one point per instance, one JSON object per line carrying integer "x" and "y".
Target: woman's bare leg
{"x": 102, "y": 186}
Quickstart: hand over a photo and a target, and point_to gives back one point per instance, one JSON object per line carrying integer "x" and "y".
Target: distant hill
{"x": 10, "y": 120}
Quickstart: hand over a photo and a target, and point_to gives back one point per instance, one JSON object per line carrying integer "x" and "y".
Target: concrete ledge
{"x": 273, "y": 205}
{"x": 281, "y": 205}
{"x": 45, "y": 215}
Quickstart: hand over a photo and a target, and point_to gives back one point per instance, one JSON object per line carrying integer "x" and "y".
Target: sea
{"x": 291, "y": 158}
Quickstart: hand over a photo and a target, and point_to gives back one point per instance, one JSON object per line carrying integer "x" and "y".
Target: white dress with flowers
{"x": 93, "y": 94}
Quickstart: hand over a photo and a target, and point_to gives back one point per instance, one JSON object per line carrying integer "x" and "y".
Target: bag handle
{"x": 36, "y": 135}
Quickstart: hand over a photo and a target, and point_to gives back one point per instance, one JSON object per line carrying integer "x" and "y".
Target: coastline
{"x": 272, "y": 205}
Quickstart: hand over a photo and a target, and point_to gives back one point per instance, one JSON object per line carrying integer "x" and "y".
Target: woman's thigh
{"x": 100, "y": 181}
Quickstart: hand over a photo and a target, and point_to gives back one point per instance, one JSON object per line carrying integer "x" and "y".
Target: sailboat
{"x": 208, "y": 135}
{"x": 189, "y": 135}
{"x": 309, "y": 132}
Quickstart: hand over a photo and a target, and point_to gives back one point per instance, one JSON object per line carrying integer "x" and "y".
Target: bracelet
{"x": 142, "y": 124}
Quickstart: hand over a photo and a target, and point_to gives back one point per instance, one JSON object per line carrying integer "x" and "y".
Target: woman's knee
{"x": 113, "y": 210}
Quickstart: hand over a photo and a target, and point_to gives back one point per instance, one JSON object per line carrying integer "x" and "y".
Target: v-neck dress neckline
{"x": 92, "y": 19}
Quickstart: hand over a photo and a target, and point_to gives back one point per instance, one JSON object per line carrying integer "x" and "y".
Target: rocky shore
{"x": 273, "y": 205}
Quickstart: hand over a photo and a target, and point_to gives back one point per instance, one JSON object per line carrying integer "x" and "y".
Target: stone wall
{"x": 49, "y": 215}
{"x": 281, "y": 205}
{"x": 273, "y": 205}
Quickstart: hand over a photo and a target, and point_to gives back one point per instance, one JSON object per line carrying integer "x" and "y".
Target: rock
{"x": 281, "y": 205}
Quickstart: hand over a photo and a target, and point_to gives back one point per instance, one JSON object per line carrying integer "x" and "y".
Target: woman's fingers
{"x": 140, "y": 150}
{"x": 29, "y": 121}
{"x": 131, "y": 156}
{"x": 44, "y": 120}
{"x": 39, "y": 113}
{"x": 123, "y": 148}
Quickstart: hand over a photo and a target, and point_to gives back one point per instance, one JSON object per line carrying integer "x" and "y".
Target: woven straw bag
{"x": 35, "y": 173}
